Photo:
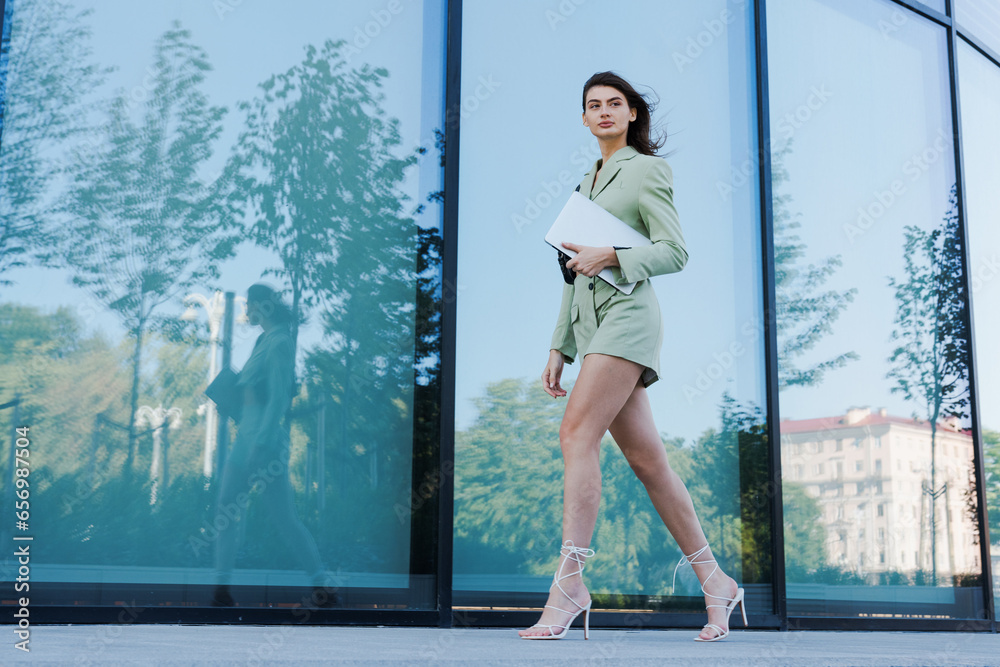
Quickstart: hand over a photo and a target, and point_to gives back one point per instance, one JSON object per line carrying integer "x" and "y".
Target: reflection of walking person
{"x": 619, "y": 336}
{"x": 262, "y": 447}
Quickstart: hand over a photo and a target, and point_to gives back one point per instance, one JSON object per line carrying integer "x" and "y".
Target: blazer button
{"x": 590, "y": 285}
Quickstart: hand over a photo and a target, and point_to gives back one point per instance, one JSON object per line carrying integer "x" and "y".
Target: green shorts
{"x": 608, "y": 321}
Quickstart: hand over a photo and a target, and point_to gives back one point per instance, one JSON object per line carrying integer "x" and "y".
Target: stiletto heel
{"x": 572, "y": 552}
{"x": 732, "y": 602}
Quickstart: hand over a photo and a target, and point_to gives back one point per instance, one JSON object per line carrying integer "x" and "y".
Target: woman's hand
{"x": 552, "y": 373}
{"x": 590, "y": 260}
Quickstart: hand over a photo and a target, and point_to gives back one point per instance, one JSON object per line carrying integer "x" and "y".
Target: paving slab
{"x": 111, "y": 645}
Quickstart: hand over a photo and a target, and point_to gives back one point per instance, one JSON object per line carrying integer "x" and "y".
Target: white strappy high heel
{"x": 574, "y": 553}
{"x": 738, "y": 600}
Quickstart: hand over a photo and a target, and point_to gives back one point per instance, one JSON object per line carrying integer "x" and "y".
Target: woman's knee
{"x": 649, "y": 467}
{"x": 577, "y": 442}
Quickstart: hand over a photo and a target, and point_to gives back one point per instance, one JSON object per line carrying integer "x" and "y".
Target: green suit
{"x": 595, "y": 317}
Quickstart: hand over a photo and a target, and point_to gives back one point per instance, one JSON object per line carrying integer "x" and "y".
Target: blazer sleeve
{"x": 563, "y": 338}
{"x": 667, "y": 254}
{"x": 278, "y": 376}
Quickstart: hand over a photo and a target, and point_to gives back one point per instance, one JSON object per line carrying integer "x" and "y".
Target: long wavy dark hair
{"x": 639, "y": 129}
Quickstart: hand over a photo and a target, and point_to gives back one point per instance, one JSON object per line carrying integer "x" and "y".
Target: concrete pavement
{"x": 313, "y": 645}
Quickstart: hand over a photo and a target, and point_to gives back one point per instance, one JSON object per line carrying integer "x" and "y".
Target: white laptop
{"x": 585, "y": 223}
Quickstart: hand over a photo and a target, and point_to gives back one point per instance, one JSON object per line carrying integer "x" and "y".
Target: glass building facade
{"x": 831, "y": 391}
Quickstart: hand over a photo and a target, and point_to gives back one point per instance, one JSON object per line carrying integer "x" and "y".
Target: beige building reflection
{"x": 868, "y": 472}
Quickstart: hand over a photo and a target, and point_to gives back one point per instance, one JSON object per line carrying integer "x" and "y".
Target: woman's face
{"x": 254, "y": 315}
{"x": 607, "y": 113}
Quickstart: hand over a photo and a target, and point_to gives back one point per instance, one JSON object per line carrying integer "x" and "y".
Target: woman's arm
{"x": 563, "y": 339}
{"x": 667, "y": 254}
{"x": 278, "y": 377}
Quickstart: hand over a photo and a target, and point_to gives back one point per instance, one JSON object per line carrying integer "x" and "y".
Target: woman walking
{"x": 266, "y": 383}
{"x": 619, "y": 336}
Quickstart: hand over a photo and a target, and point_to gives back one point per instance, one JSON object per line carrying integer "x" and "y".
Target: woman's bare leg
{"x": 601, "y": 389}
{"x": 279, "y": 499}
{"x": 635, "y": 433}
{"x": 233, "y": 483}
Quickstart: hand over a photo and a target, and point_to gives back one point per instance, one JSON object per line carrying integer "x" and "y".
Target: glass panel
{"x": 937, "y": 5}
{"x": 981, "y": 18}
{"x": 979, "y": 82}
{"x": 876, "y": 452}
{"x": 709, "y": 406}
{"x": 155, "y": 163}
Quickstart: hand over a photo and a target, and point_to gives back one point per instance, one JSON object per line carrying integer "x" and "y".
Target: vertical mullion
{"x": 977, "y": 450}
{"x": 449, "y": 271}
{"x": 770, "y": 315}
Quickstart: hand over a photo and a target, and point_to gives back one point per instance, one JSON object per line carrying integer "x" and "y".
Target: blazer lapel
{"x": 608, "y": 172}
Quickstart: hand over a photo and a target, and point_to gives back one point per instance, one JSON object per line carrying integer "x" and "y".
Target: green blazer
{"x": 639, "y": 190}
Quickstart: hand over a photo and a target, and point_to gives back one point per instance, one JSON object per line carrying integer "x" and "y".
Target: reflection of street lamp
{"x": 156, "y": 418}
{"x": 216, "y": 308}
